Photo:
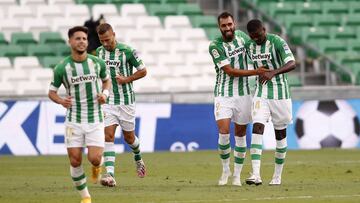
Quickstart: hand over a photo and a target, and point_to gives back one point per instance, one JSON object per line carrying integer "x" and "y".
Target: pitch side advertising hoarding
{"x": 36, "y": 127}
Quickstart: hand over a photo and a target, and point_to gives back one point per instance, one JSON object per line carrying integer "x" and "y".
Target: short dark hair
{"x": 254, "y": 25}
{"x": 225, "y": 15}
{"x": 102, "y": 28}
{"x": 77, "y": 29}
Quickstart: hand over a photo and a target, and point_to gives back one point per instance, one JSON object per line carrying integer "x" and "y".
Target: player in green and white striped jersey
{"x": 272, "y": 96}
{"x": 232, "y": 93}
{"x": 120, "y": 60}
{"x": 80, "y": 73}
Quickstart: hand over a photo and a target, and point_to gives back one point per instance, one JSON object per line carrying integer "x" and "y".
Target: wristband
{"x": 106, "y": 92}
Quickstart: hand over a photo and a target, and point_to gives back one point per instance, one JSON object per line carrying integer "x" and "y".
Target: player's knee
{"x": 258, "y": 128}
{"x": 129, "y": 136}
{"x": 95, "y": 160}
{"x": 280, "y": 134}
{"x": 75, "y": 162}
{"x": 109, "y": 137}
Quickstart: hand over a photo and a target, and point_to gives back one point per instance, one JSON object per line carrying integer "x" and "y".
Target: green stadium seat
{"x": 313, "y": 34}
{"x": 40, "y": 50}
{"x": 145, "y": 2}
{"x": 51, "y": 61}
{"x": 309, "y": 8}
{"x": 22, "y": 38}
{"x": 62, "y": 50}
{"x": 354, "y": 44}
{"x": 204, "y": 21}
{"x": 354, "y": 6}
{"x": 190, "y": 9}
{"x": 328, "y": 46}
{"x": 277, "y": 9}
{"x": 51, "y": 38}
{"x": 347, "y": 57}
{"x": 212, "y": 33}
{"x": 352, "y": 20}
{"x": 343, "y": 33}
{"x": 12, "y": 51}
{"x": 334, "y": 7}
{"x": 3, "y": 41}
{"x": 291, "y": 21}
{"x": 161, "y": 10}
{"x": 119, "y": 2}
{"x": 326, "y": 20}
{"x": 91, "y": 2}
{"x": 173, "y": 1}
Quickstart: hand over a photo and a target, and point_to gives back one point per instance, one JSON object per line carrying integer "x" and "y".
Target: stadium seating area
{"x": 171, "y": 35}
{"x": 331, "y": 27}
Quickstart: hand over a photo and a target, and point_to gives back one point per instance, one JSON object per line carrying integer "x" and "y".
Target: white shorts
{"x": 238, "y": 109}
{"x": 123, "y": 115}
{"x": 280, "y": 111}
{"x": 81, "y": 135}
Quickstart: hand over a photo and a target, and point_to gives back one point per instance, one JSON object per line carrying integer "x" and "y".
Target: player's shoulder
{"x": 274, "y": 38}
{"x": 123, "y": 47}
{"x": 240, "y": 33}
{"x": 60, "y": 67}
{"x": 216, "y": 42}
{"x": 100, "y": 48}
{"x": 95, "y": 58}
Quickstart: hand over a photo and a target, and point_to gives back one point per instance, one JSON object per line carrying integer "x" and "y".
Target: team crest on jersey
{"x": 83, "y": 79}
{"x": 261, "y": 57}
{"x": 215, "y": 53}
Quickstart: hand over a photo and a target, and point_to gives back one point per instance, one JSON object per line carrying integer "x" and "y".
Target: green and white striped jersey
{"x": 121, "y": 60}
{"x": 272, "y": 54}
{"x": 233, "y": 53}
{"x": 82, "y": 82}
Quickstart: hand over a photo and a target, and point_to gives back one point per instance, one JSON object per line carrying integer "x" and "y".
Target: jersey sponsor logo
{"x": 236, "y": 51}
{"x": 215, "y": 53}
{"x": 261, "y": 57}
{"x": 83, "y": 78}
{"x": 115, "y": 63}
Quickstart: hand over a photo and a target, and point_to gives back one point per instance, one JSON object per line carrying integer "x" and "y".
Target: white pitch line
{"x": 265, "y": 198}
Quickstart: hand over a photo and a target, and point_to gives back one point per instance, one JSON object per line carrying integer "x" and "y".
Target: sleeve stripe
{"x": 289, "y": 58}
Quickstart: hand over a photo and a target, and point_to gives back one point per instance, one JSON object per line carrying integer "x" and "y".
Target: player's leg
{"x": 224, "y": 149}
{"x": 241, "y": 117}
{"x": 239, "y": 152}
{"x": 74, "y": 142}
{"x": 127, "y": 124}
{"x": 260, "y": 115}
{"x": 111, "y": 123}
{"x": 133, "y": 141}
{"x": 281, "y": 117}
{"x": 109, "y": 156}
{"x": 95, "y": 141}
{"x": 77, "y": 173}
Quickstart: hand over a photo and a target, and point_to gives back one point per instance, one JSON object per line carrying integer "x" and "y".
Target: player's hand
{"x": 266, "y": 76}
{"x": 120, "y": 79}
{"x": 262, "y": 70}
{"x": 101, "y": 97}
{"x": 66, "y": 102}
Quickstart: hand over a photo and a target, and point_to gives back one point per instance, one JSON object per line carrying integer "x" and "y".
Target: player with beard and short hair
{"x": 80, "y": 73}
{"x": 119, "y": 109}
{"x": 232, "y": 101}
{"x": 272, "y": 96}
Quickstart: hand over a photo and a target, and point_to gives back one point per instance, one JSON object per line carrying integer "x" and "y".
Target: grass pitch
{"x": 330, "y": 175}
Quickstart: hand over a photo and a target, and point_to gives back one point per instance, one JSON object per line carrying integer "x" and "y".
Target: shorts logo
{"x": 215, "y": 53}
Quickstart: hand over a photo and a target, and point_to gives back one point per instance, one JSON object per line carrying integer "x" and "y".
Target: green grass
{"x": 312, "y": 176}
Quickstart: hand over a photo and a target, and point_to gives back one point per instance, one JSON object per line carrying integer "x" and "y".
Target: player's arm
{"x": 135, "y": 61}
{"x": 54, "y": 86}
{"x": 220, "y": 59}
{"x": 286, "y": 55}
{"x": 242, "y": 73}
{"x": 106, "y": 83}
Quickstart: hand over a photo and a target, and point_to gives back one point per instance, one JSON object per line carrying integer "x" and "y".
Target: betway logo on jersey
{"x": 236, "y": 51}
{"x": 83, "y": 78}
{"x": 113, "y": 63}
{"x": 261, "y": 57}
